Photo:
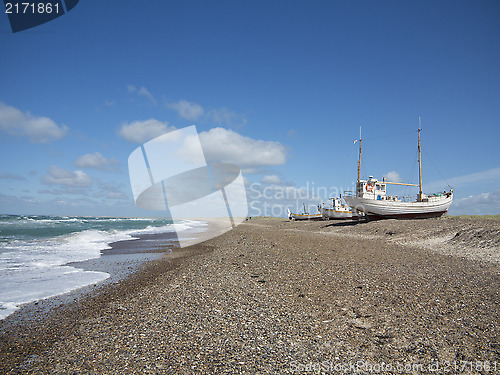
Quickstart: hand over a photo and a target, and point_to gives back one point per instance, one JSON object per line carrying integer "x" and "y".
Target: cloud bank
{"x": 36, "y": 128}
{"x": 143, "y": 131}
{"x": 96, "y": 161}
{"x": 187, "y": 110}
{"x": 481, "y": 204}
{"x": 11, "y": 176}
{"x": 60, "y": 176}
{"x": 271, "y": 179}
{"x": 225, "y": 145}
{"x": 393, "y": 176}
{"x": 489, "y": 175}
{"x": 142, "y": 91}
{"x": 219, "y": 144}
{"x": 194, "y": 112}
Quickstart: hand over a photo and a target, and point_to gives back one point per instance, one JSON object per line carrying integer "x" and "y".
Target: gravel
{"x": 274, "y": 296}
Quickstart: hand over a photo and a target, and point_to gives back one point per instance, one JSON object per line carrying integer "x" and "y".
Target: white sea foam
{"x": 33, "y": 270}
{"x": 37, "y": 268}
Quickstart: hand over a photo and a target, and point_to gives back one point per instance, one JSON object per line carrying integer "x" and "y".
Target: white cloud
{"x": 97, "y": 161}
{"x": 141, "y": 91}
{"x": 393, "y": 176}
{"x": 191, "y": 151}
{"x": 71, "y": 190}
{"x": 482, "y": 204}
{"x": 271, "y": 179}
{"x": 36, "y": 129}
{"x": 110, "y": 191}
{"x": 188, "y": 110}
{"x": 489, "y": 175}
{"x": 193, "y": 112}
{"x": 223, "y": 116}
{"x": 144, "y": 92}
{"x": 60, "y": 176}
{"x": 257, "y": 170}
{"x": 11, "y": 176}
{"x": 142, "y": 131}
{"x": 460, "y": 181}
{"x": 221, "y": 144}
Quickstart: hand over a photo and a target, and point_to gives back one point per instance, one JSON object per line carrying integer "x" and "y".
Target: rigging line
{"x": 412, "y": 172}
{"x": 437, "y": 169}
{"x": 414, "y": 165}
{"x": 410, "y": 177}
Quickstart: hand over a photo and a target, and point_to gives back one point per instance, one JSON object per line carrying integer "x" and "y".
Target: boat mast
{"x": 359, "y": 159}
{"x": 419, "y": 162}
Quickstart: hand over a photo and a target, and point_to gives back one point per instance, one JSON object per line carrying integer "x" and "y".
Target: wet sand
{"x": 274, "y": 296}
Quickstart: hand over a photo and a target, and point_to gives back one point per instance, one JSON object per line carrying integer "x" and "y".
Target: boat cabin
{"x": 335, "y": 204}
{"x": 371, "y": 189}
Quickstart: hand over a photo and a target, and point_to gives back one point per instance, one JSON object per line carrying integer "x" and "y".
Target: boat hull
{"x": 383, "y": 209}
{"x": 426, "y": 215}
{"x": 305, "y": 217}
{"x": 329, "y": 213}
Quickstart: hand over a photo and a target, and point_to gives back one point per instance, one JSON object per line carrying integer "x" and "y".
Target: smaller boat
{"x": 335, "y": 209}
{"x": 304, "y": 216}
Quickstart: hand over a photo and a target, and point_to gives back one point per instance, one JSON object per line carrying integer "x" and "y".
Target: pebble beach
{"x": 275, "y": 296}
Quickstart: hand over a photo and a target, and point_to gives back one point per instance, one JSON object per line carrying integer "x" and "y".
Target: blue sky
{"x": 286, "y": 83}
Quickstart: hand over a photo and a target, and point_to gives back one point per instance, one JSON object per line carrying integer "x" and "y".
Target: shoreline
{"x": 121, "y": 259}
{"x": 273, "y": 293}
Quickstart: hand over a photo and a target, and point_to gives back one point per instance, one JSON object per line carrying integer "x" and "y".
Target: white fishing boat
{"x": 334, "y": 209}
{"x": 370, "y": 198}
{"x": 304, "y": 216}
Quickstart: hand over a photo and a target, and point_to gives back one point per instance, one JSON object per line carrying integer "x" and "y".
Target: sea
{"x": 35, "y": 252}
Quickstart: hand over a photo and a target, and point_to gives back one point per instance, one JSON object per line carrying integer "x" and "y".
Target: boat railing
{"x": 349, "y": 193}
{"x": 398, "y": 199}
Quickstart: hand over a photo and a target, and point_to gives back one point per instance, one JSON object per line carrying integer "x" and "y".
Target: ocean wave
{"x": 76, "y": 246}
{"x": 35, "y": 251}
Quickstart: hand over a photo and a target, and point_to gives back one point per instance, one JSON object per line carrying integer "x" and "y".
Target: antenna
{"x": 359, "y": 158}
{"x": 419, "y": 162}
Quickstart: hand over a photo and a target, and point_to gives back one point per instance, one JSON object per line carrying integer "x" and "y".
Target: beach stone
{"x": 308, "y": 292}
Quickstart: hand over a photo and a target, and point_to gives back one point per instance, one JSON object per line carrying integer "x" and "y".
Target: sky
{"x": 280, "y": 88}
